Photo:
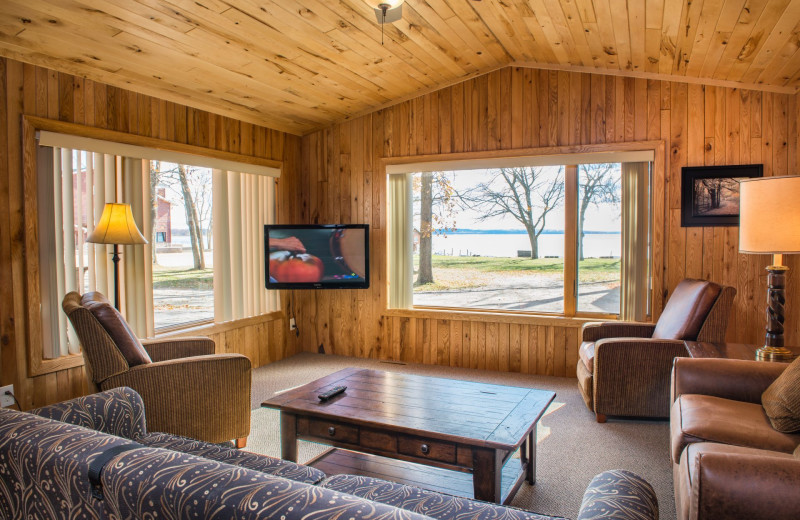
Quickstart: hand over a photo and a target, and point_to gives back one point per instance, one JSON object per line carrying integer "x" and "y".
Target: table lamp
{"x": 769, "y": 222}
{"x": 116, "y": 227}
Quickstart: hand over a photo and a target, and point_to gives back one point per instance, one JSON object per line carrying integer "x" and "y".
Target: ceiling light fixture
{"x": 388, "y": 12}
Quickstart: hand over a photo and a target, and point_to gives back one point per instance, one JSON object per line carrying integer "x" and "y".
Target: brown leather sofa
{"x": 728, "y": 460}
{"x": 624, "y": 367}
{"x": 187, "y": 388}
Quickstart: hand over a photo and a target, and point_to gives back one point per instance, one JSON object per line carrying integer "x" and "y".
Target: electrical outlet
{"x": 292, "y": 324}
{"x": 6, "y": 400}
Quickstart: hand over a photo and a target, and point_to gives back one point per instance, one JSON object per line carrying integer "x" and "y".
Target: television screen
{"x": 317, "y": 256}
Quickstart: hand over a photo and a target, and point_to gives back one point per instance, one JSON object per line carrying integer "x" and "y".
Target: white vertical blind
{"x": 242, "y": 204}
{"x": 401, "y": 240}
{"x": 136, "y": 267}
{"x": 635, "y": 240}
{"x": 104, "y": 181}
{"x": 79, "y": 181}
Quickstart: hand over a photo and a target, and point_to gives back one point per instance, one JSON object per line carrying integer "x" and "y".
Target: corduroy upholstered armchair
{"x": 624, "y": 367}
{"x": 187, "y": 389}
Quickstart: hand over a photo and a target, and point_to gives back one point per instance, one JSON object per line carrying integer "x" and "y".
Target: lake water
{"x": 504, "y": 244}
{"x": 484, "y": 244}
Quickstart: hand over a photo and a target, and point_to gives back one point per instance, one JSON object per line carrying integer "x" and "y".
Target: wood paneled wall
{"x": 26, "y": 89}
{"x": 515, "y": 108}
{"x": 335, "y": 176}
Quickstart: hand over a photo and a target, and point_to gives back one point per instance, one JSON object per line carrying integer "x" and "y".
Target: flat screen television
{"x": 312, "y": 256}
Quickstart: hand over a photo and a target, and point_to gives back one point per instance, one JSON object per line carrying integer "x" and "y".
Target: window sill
{"x": 183, "y": 327}
{"x": 496, "y": 317}
{"x": 209, "y": 327}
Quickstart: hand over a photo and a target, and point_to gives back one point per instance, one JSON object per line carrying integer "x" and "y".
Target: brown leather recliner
{"x": 728, "y": 460}
{"x": 187, "y": 389}
{"x": 624, "y": 367}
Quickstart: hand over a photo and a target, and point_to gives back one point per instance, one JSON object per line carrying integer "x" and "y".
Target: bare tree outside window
{"x": 526, "y": 193}
{"x": 437, "y": 202}
{"x": 599, "y": 184}
{"x": 182, "y": 271}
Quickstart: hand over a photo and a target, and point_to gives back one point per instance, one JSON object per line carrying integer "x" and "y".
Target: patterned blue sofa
{"x": 46, "y": 458}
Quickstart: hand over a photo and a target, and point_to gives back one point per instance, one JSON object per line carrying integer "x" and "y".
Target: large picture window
{"x": 557, "y": 238}
{"x": 204, "y": 260}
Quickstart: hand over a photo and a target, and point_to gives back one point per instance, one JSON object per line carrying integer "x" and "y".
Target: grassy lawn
{"x": 540, "y": 265}
{"x": 464, "y": 272}
{"x": 449, "y": 272}
{"x": 166, "y": 278}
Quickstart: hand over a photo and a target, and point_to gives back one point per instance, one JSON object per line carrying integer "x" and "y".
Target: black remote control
{"x": 333, "y": 392}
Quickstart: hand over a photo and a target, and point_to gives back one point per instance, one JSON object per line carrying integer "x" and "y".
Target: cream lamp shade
{"x": 769, "y": 215}
{"x": 116, "y": 226}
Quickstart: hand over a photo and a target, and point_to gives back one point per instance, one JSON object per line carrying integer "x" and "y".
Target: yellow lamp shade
{"x": 116, "y": 226}
{"x": 769, "y": 215}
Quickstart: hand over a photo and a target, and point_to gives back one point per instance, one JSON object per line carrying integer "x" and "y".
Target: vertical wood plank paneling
{"x": 336, "y": 174}
{"x": 521, "y": 107}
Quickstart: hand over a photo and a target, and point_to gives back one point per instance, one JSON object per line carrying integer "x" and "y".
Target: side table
{"x": 747, "y": 351}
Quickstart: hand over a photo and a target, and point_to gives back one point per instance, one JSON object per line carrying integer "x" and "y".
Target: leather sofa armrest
{"x": 619, "y": 494}
{"x": 616, "y": 329}
{"x": 176, "y": 348}
{"x": 119, "y": 412}
{"x": 735, "y": 379}
{"x": 202, "y": 397}
{"x": 745, "y": 486}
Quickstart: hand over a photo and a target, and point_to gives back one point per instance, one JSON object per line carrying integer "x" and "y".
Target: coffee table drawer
{"x": 381, "y": 440}
{"x": 328, "y": 430}
{"x": 426, "y": 448}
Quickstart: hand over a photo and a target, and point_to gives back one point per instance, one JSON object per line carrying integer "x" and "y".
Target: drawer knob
{"x": 425, "y": 449}
{"x": 331, "y": 431}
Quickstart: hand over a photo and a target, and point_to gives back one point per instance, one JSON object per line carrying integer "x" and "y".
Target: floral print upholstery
{"x": 619, "y": 494}
{"x": 154, "y": 483}
{"x": 263, "y": 463}
{"x": 429, "y": 503}
{"x": 44, "y": 466}
{"x": 117, "y": 412}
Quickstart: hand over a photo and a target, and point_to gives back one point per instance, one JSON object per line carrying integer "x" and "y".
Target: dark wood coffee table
{"x": 388, "y": 423}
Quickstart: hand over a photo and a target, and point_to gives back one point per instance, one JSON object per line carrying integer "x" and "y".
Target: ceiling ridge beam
{"x": 567, "y": 68}
{"x": 658, "y": 76}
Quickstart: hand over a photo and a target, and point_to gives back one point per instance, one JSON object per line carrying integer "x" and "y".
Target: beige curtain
{"x": 78, "y": 184}
{"x": 136, "y": 267}
{"x": 634, "y": 288}
{"x": 242, "y": 204}
{"x": 401, "y": 241}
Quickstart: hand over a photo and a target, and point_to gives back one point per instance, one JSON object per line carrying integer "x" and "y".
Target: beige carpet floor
{"x": 571, "y": 449}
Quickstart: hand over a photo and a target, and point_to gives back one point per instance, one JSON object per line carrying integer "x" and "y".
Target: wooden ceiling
{"x": 299, "y": 65}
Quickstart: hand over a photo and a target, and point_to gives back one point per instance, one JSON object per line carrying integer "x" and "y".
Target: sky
{"x": 603, "y": 218}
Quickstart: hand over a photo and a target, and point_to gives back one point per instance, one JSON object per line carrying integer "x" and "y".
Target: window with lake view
{"x": 543, "y": 239}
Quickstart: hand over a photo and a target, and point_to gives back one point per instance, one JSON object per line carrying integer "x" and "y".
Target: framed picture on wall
{"x": 710, "y": 194}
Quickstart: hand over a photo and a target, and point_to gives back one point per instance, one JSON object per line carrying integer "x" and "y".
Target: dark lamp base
{"x": 774, "y": 354}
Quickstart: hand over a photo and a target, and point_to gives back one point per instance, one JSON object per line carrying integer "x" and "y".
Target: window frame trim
{"x": 660, "y": 165}
{"x": 37, "y": 365}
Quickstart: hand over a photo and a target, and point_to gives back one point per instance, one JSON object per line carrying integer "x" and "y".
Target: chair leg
{"x": 241, "y": 442}
{"x": 601, "y": 417}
